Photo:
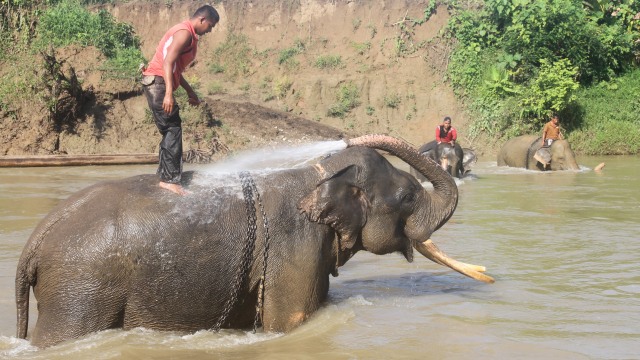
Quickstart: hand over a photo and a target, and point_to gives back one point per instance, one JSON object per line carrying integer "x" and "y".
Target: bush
{"x": 392, "y": 100}
{"x": 124, "y": 64}
{"x": 70, "y": 23}
{"x": 551, "y": 91}
{"x": 606, "y": 120}
{"x": 517, "y": 61}
{"x": 348, "y": 97}
{"x": 281, "y": 86}
{"x": 328, "y": 61}
{"x": 287, "y": 54}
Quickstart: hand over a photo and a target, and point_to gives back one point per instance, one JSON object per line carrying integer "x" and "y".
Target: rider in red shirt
{"x": 446, "y": 133}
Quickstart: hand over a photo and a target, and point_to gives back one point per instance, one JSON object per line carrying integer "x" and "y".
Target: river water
{"x": 563, "y": 248}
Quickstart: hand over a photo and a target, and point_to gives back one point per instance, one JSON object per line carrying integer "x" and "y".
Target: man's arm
{"x": 544, "y": 134}
{"x": 181, "y": 40}
{"x": 454, "y": 136}
{"x": 438, "y": 140}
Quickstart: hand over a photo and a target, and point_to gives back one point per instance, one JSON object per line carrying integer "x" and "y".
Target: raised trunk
{"x": 445, "y": 195}
{"x": 442, "y": 205}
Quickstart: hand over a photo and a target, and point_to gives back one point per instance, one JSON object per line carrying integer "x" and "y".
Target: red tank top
{"x": 184, "y": 59}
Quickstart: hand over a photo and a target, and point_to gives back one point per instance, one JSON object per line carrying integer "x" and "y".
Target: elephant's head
{"x": 374, "y": 206}
{"x": 562, "y": 156}
{"x": 452, "y": 157}
{"x": 468, "y": 158}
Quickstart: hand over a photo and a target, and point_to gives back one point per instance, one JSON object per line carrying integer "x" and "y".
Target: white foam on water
{"x": 272, "y": 159}
{"x": 12, "y": 347}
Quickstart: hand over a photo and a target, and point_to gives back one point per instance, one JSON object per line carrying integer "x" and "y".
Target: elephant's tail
{"x": 23, "y": 287}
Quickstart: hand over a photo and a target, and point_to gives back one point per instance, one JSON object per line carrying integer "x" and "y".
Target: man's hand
{"x": 167, "y": 103}
{"x": 194, "y": 101}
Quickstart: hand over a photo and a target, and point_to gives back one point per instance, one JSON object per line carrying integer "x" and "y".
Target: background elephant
{"x": 519, "y": 152}
{"x": 126, "y": 254}
{"x": 458, "y": 159}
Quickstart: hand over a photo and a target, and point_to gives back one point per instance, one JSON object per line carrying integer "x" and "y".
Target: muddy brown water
{"x": 563, "y": 248}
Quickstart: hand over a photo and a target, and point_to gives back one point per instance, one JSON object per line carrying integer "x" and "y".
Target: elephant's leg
{"x": 283, "y": 313}
{"x": 72, "y": 308}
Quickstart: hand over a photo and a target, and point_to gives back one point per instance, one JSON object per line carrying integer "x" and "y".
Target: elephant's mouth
{"x": 429, "y": 250}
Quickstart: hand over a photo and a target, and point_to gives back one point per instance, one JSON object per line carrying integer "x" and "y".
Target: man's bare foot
{"x": 176, "y": 188}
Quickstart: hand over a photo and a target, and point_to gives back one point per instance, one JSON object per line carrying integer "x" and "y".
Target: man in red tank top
{"x": 176, "y": 50}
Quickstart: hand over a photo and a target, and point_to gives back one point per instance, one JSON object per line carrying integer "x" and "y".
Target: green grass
{"x": 233, "y": 57}
{"x": 606, "y": 118}
{"x": 328, "y": 62}
{"x": 348, "y": 97}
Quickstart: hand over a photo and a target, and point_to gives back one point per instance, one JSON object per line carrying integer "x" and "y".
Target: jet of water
{"x": 278, "y": 158}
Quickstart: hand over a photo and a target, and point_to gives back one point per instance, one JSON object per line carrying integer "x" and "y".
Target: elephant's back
{"x": 516, "y": 151}
{"x": 431, "y": 145}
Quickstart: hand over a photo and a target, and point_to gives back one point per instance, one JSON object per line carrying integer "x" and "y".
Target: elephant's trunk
{"x": 444, "y": 199}
{"x": 445, "y": 195}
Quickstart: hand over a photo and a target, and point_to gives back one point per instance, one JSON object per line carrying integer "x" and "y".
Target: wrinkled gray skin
{"x": 459, "y": 159}
{"x": 126, "y": 253}
{"x": 519, "y": 152}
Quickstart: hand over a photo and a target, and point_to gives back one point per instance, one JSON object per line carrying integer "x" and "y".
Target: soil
{"x": 401, "y": 95}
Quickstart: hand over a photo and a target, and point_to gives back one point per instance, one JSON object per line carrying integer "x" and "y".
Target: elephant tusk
{"x": 429, "y": 250}
{"x": 431, "y": 245}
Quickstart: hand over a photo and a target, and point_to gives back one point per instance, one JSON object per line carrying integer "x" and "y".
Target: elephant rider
{"x": 551, "y": 131}
{"x": 445, "y": 133}
{"x": 175, "y": 52}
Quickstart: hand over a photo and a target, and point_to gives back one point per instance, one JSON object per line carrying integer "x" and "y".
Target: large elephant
{"x": 519, "y": 152}
{"x": 257, "y": 249}
{"x": 456, "y": 160}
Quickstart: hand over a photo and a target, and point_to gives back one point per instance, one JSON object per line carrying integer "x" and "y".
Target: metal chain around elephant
{"x": 260, "y": 304}
{"x": 247, "y": 252}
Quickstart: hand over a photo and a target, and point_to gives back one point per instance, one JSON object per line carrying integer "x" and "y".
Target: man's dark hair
{"x": 446, "y": 118}
{"x": 207, "y": 11}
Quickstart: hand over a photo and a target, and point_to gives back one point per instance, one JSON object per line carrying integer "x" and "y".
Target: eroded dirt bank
{"x": 397, "y": 70}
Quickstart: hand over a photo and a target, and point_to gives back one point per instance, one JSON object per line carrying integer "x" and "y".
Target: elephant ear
{"x": 339, "y": 202}
{"x": 469, "y": 157}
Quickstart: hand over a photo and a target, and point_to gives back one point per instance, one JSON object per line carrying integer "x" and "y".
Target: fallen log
{"x": 76, "y": 160}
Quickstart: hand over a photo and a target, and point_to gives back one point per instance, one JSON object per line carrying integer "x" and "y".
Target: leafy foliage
{"x": 606, "y": 117}
{"x": 518, "y": 61}
{"x": 69, "y": 22}
{"x": 552, "y": 90}
{"x": 348, "y": 97}
{"x": 286, "y": 55}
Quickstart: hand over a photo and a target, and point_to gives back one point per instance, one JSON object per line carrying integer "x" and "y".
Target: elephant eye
{"x": 409, "y": 197}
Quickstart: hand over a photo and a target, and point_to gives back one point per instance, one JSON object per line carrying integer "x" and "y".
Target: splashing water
{"x": 272, "y": 159}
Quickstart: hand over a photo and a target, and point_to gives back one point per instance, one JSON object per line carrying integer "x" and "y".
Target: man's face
{"x": 555, "y": 120}
{"x": 204, "y": 26}
{"x": 447, "y": 124}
